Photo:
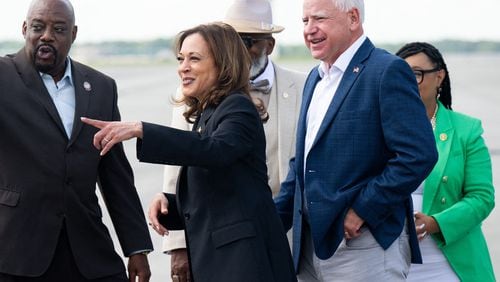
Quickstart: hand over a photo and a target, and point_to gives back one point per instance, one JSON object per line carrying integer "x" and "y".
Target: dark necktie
{"x": 261, "y": 86}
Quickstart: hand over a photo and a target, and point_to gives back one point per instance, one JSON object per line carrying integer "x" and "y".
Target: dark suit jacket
{"x": 47, "y": 180}
{"x": 233, "y": 232}
{"x": 373, "y": 148}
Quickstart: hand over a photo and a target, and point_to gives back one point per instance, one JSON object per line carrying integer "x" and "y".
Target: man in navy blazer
{"x": 363, "y": 145}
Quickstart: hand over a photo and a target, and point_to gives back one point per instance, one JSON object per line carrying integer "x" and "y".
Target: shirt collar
{"x": 343, "y": 60}
{"x": 268, "y": 73}
{"x": 67, "y": 73}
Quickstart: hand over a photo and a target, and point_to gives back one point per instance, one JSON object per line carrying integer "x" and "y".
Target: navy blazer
{"x": 373, "y": 148}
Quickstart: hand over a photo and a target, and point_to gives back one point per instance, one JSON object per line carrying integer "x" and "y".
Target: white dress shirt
{"x": 268, "y": 73}
{"x": 325, "y": 90}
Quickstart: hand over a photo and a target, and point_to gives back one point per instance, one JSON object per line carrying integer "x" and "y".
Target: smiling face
{"x": 328, "y": 31}
{"x": 49, "y": 31}
{"x": 197, "y": 68}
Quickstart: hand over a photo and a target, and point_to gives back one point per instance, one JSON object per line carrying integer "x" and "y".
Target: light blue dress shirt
{"x": 63, "y": 95}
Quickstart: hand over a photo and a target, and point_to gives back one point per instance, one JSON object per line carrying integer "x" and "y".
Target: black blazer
{"x": 232, "y": 228}
{"x": 47, "y": 180}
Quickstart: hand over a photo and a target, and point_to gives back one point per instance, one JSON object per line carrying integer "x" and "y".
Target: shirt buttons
{"x": 285, "y": 95}
{"x": 444, "y": 179}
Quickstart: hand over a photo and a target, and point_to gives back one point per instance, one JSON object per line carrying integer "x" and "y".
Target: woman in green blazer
{"x": 458, "y": 194}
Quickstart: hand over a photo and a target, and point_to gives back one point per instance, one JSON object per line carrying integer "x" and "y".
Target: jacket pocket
{"x": 9, "y": 198}
{"x": 232, "y": 233}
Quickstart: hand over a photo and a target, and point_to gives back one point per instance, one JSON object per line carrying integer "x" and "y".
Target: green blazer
{"x": 459, "y": 194}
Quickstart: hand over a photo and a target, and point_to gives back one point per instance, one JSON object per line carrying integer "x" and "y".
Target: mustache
{"x": 45, "y": 45}
{"x": 43, "y": 67}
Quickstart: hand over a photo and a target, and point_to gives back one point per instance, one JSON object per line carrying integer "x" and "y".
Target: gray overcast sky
{"x": 386, "y": 21}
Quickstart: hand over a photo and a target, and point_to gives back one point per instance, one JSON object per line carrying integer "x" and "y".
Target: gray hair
{"x": 346, "y": 5}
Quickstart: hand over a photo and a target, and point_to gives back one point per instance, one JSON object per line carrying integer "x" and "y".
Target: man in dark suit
{"x": 363, "y": 145}
{"x": 50, "y": 219}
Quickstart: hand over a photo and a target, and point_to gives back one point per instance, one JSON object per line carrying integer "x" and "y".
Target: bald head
{"x": 62, "y": 6}
{"x": 49, "y": 31}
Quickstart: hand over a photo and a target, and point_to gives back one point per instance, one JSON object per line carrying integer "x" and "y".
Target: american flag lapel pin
{"x": 87, "y": 86}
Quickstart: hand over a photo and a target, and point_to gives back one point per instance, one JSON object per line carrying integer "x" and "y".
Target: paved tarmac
{"x": 145, "y": 92}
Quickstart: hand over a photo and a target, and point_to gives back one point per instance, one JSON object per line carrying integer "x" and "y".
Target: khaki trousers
{"x": 358, "y": 259}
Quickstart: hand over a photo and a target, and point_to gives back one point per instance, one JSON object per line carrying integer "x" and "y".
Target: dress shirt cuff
{"x": 174, "y": 241}
{"x": 144, "y": 252}
{"x": 169, "y": 252}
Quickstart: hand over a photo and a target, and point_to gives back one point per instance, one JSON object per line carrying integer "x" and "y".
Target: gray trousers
{"x": 358, "y": 259}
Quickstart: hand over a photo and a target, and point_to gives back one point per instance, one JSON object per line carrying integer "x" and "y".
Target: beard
{"x": 258, "y": 64}
{"x": 41, "y": 65}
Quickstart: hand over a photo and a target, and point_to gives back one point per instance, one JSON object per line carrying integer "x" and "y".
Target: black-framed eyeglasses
{"x": 250, "y": 41}
{"x": 419, "y": 74}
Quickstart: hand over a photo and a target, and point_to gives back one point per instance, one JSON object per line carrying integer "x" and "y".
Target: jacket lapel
{"x": 34, "y": 83}
{"x": 204, "y": 118}
{"x": 352, "y": 72}
{"x": 83, "y": 90}
{"x": 443, "y": 135}
{"x": 287, "y": 98}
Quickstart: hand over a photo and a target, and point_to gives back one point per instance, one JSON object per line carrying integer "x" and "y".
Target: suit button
{"x": 187, "y": 216}
{"x": 445, "y": 179}
{"x": 443, "y": 200}
{"x": 300, "y": 211}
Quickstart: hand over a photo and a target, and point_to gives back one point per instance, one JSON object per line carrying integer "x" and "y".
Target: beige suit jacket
{"x": 283, "y": 109}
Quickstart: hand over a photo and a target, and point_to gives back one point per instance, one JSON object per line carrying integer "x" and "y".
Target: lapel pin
{"x": 355, "y": 70}
{"x": 199, "y": 129}
{"x": 87, "y": 86}
{"x": 443, "y": 136}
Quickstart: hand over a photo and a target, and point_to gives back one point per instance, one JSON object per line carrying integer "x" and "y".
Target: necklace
{"x": 433, "y": 118}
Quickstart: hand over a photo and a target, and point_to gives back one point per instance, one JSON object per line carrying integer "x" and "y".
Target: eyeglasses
{"x": 419, "y": 74}
{"x": 250, "y": 41}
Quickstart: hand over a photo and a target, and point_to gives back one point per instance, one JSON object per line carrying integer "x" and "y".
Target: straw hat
{"x": 251, "y": 16}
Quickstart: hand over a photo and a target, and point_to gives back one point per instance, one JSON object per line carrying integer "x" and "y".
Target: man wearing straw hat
{"x": 279, "y": 92}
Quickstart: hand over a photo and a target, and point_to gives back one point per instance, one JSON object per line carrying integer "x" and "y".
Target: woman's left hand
{"x": 157, "y": 208}
{"x": 112, "y": 132}
{"x": 425, "y": 225}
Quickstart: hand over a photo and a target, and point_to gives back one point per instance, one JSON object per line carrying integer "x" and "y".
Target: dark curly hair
{"x": 436, "y": 58}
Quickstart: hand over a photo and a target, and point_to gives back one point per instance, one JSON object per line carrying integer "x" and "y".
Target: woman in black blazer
{"x": 223, "y": 201}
